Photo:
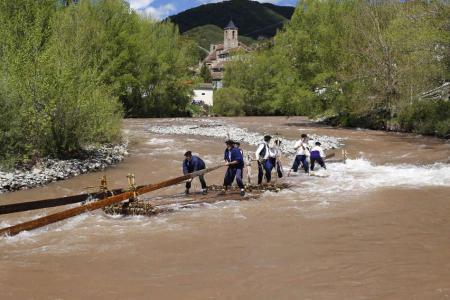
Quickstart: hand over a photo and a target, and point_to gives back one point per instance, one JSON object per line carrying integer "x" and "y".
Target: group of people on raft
{"x": 268, "y": 157}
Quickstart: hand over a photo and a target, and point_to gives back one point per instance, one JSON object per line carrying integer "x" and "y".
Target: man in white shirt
{"x": 302, "y": 154}
{"x": 276, "y": 159}
{"x": 317, "y": 154}
{"x": 263, "y": 155}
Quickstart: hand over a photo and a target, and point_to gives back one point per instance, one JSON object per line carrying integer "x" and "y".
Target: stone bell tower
{"x": 230, "y": 40}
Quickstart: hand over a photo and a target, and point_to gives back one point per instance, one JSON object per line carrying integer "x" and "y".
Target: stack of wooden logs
{"x": 149, "y": 207}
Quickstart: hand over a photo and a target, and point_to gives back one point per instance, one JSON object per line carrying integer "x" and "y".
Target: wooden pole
{"x": 59, "y": 216}
{"x": 40, "y": 204}
{"x": 331, "y": 155}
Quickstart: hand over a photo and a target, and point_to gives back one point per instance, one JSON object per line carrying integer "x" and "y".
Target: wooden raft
{"x": 65, "y": 214}
{"x": 154, "y": 206}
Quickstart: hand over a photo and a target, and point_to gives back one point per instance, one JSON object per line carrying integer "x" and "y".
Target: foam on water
{"x": 361, "y": 175}
{"x": 353, "y": 178}
{"x": 73, "y": 234}
{"x": 160, "y": 141}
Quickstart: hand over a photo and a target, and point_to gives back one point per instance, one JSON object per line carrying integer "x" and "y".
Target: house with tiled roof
{"x": 221, "y": 53}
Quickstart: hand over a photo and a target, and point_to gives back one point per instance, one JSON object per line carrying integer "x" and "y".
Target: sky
{"x": 161, "y": 9}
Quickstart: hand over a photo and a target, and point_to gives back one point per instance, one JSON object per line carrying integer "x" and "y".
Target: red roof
{"x": 212, "y": 56}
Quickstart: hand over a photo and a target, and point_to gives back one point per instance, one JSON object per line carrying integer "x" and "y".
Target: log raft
{"x": 150, "y": 207}
{"x": 59, "y": 216}
{"x": 81, "y": 198}
{"x": 113, "y": 205}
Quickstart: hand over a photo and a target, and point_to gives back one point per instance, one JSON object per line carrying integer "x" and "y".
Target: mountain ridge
{"x": 255, "y": 20}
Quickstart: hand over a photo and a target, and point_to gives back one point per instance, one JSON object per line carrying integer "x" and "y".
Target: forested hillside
{"x": 254, "y": 19}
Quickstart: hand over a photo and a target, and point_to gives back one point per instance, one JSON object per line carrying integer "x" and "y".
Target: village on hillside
{"x": 215, "y": 62}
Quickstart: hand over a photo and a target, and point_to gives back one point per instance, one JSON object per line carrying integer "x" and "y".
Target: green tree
{"x": 253, "y": 75}
{"x": 229, "y": 102}
{"x": 24, "y": 32}
{"x": 205, "y": 74}
{"x": 312, "y": 48}
{"x": 82, "y": 104}
{"x": 162, "y": 84}
{"x": 391, "y": 59}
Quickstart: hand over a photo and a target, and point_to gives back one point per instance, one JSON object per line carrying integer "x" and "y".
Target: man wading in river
{"x": 191, "y": 164}
{"x": 276, "y": 159}
{"x": 317, "y": 155}
{"x": 235, "y": 162}
{"x": 263, "y": 155}
{"x": 302, "y": 154}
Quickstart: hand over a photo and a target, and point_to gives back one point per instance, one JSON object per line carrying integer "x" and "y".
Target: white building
{"x": 203, "y": 94}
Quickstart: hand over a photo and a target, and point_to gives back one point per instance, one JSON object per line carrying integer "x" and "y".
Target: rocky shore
{"x": 48, "y": 170}
{"x": 222, "y": 130}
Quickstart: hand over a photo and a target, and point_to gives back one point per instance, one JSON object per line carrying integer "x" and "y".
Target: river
{"x": 377, "y": 228}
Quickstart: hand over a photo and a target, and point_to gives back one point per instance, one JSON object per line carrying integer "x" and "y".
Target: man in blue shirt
{"x": 235, "y": 162}
{"x": 191, "y": 164}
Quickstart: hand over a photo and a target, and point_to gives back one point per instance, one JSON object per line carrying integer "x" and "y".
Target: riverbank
{"x": 430, "y": 118}
{"x": 49, "y": 170}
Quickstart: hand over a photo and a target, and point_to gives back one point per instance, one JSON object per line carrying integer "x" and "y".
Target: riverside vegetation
{"x": 353, "y": 64}
{"x": 69, "y": 73}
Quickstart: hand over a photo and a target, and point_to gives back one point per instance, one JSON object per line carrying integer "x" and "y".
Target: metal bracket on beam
{"x": 132, "y": 186}
{"x": 103, "y": 184}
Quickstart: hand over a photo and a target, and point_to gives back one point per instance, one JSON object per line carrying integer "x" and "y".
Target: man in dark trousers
{"x": 191, "y": 164}
{"x": 317, "y": 154}
{"x": 263, "y": 155}
{"x": 301, "y": 158}
{"x": 235, "y": 162}
{"x": 276, "y": 159}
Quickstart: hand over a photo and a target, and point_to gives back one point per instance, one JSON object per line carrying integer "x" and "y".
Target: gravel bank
{"x": 49, "y": 170}
{"x": 219, "y": 129}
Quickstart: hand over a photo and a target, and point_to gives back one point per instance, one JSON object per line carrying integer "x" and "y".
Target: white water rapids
{"x": 356, "y": 177}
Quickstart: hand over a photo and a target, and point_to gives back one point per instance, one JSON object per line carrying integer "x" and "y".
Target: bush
{"x": 430, "y": 117}
{"x": 229, "y": 102}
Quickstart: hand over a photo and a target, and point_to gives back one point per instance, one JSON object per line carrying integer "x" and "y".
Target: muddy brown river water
{"x": 377, "y": 228}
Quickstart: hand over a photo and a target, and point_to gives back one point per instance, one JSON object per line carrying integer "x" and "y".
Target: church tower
{"x": 230, "y": 40}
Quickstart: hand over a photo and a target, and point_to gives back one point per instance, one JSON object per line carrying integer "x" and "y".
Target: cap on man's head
{"x": 318, "y": 144}
{"x": 237, "y": 143}
{"x": 229, "y": 142}
{"x": 188, "y": 153}
{"x": 267, "y": 138}
{"x": 304, "y": 135}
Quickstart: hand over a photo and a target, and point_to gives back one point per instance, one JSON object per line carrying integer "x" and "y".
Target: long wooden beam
{"x": 59, "y": 216}
{"x": 47, "y": 203}
{"x": 331, "y": 155}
